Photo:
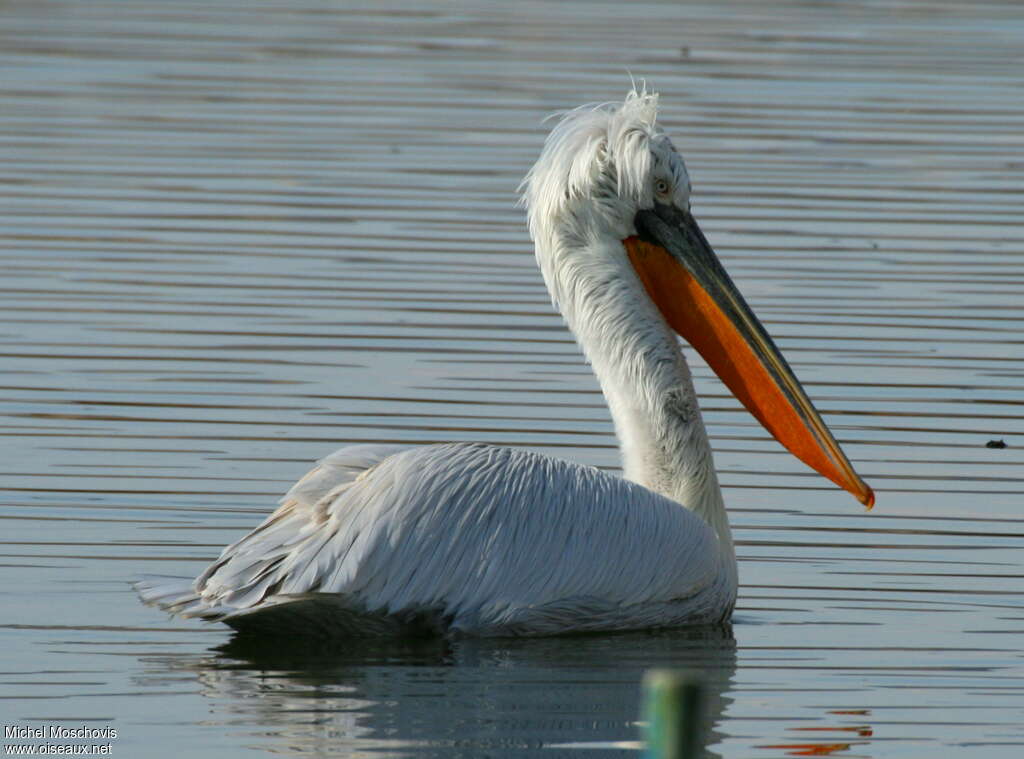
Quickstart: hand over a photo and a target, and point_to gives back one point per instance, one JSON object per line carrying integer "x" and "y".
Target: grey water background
{"x": 236, "y": 235}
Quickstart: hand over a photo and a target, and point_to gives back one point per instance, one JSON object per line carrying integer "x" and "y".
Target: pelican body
{"x": 488, "y": 540}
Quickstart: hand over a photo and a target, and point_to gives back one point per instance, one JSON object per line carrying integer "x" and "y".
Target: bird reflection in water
{"x": 433, "y": 696}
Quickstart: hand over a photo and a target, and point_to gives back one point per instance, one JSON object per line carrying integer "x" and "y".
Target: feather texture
{"x": 469, "y": 538}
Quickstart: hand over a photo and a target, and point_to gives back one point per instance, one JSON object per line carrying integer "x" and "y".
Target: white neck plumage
{"x": 643, "y": 374}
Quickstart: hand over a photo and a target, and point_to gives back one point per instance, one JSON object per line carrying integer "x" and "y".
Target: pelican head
{"x": 608, "y": 204}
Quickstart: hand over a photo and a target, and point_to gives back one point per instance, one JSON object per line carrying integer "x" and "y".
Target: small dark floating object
{"x": 996, "y": 444}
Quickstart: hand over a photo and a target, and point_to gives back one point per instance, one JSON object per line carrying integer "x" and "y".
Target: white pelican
{"x": 487, "y": 540}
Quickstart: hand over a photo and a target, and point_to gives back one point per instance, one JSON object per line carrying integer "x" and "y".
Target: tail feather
{"x": 249, "y": 573}
{"x": 175, "y": 595}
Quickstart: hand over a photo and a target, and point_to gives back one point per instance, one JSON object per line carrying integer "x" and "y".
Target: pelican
{"x": 472, "y": 539}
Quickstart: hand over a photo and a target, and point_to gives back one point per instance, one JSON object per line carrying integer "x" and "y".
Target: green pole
{"x": 673, "y": 705}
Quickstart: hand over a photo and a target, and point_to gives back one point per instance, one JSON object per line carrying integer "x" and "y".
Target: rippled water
{"x": 237, "y": 235}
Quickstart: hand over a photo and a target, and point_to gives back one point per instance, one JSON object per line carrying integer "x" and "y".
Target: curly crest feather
{"x": 597, "y": 157}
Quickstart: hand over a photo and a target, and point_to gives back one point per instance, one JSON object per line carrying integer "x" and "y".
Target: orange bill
{"x": 684, "y": 278}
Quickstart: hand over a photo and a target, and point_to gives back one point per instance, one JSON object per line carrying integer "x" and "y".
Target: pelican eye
{"x": 661, "y": 187}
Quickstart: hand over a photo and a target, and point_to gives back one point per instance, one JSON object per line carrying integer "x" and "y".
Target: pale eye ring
{"x": 661, "y": 187}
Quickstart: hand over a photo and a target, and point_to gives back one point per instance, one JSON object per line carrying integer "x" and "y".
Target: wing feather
{"x": 253, "y": 569}
{"x": 490, "y": 540}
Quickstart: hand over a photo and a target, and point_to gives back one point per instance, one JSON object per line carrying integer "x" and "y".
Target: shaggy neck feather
{"x": 643, "y": 374}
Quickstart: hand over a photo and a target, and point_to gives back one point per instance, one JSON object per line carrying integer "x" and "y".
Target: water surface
{"x": 236, "y": 235}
